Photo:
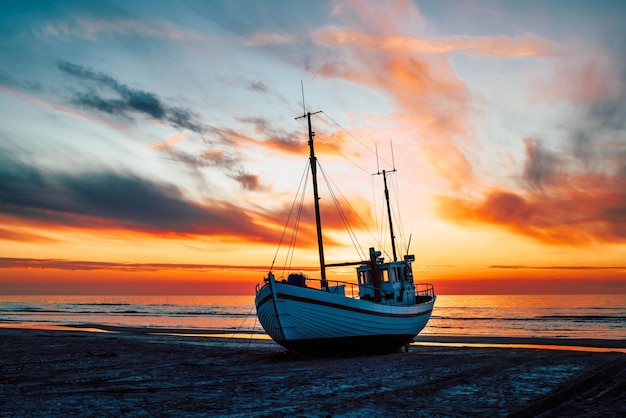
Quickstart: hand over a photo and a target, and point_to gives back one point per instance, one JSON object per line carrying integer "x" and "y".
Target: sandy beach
{"x": 77, "y": 373}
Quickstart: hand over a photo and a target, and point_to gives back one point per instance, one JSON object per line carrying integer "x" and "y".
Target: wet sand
{"x": 74, "y": 373}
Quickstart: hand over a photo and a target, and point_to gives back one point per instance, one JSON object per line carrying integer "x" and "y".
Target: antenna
{"x": 377, "y": 165}
{"x": 302, "y": 88}
{"x": 409, "y": 244}
{"x": 393, "y": 160}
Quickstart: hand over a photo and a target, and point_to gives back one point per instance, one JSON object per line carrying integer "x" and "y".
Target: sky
{"x": 154, "y": 147}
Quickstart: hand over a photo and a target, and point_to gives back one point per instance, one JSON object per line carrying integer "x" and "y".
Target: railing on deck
{"x": 424, "y": 292}
{"x": 350, "y": 290}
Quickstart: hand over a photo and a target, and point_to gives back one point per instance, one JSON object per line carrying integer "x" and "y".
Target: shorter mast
{"x": 384, "y": 173}
{"x": 393, "y": 237}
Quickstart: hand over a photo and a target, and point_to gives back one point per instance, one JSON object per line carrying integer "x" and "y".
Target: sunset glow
{"x": 153, "y": 148}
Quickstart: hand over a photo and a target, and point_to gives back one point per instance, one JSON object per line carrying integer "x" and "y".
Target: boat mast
{"x": 393, "y": 237}
{"x": 384, "y": 173}
{"x": 318, "y": 222}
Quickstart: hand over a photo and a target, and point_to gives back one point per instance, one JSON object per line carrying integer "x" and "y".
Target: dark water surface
{"x": 523, "y": 316}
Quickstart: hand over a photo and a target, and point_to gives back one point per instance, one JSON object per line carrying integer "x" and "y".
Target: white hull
{"x": 306, "y": 319}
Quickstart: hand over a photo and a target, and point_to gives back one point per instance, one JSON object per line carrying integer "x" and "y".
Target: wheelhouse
{"x": 386, "y": 282}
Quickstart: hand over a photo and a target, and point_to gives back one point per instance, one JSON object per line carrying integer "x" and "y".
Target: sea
{"x": 522, "y": 316}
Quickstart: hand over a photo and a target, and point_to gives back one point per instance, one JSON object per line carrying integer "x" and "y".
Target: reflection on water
{"x": 184, "y": 312}
{"x": 48, "y": 327}
{"x": 552, "y": 316}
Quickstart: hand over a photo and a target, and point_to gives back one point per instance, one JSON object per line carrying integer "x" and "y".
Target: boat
{"x": 381, "y": 312}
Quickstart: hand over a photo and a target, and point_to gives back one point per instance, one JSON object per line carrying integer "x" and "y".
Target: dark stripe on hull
{"x": 265, "y": 299}
{"x": 349, "y": 308}
{"x": 349, "y": 345}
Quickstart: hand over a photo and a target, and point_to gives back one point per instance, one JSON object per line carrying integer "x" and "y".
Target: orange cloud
{"x": 433, "y": 106}
{"x": 562, "y": 216}
{"x": 506, "y": 46}
{"x": 171, "y": 140}
{"x": 357, "y": 215}
{"x": 18, "y": 235}
{"x": 53, "y": 281}
{"x": 248, "y": 181}
{"x": 577, "y": 268}
{"x": 328, "y": 139}
{"x": 573, "y": 194}
{"x": 67, "y": 277}
{"x": 76, "y": 265}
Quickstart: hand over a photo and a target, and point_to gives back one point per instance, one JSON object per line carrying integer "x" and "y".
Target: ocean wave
{"x": 129, "y": 312}
{"x": 584, "y": 317}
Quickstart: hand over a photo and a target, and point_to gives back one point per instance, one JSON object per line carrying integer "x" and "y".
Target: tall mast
{"x": 318, "y": 222}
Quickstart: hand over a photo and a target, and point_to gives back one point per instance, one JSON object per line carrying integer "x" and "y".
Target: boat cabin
{"x": 389, "y": 283}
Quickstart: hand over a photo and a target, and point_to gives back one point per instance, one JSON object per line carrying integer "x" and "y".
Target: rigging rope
{"x": 354, "y": 137}
{"x": 397, "y": 214}
{"x": 343, "y": 216}
{"x": 381, "y": 240}
{"x": 237, "y": 329}
{"x": 329, "y": 145}
{"x": 296, "y": 227}
{"x": 302, "y": 179}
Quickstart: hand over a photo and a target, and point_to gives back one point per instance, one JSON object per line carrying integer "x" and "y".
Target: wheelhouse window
{"x": 365, "y": 277}
{"x": 384, "y": 275}
{"x": 397, "y": 273}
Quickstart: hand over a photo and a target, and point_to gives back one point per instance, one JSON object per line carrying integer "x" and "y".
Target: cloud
{"x": 52, "y": 105}
{"x": 10, "y": 81}
{"x": 505, "y": 46}
{"x": 256, "y": 86}
{"x": 574, "y": 191}
{"x": 267, "y": 38}
{"x": 276, "y": 138}
{"x": 217, "y": 157}
{"x": 226, "y": 136}
{"x": 102, "y": 200}
{"x": 579, "y": 74}
{"x": 379, "y": 17}
{"x": 90, "y": 28}
{"x": 526, "y": 267}
{"x": 118, "y": 201}
{"x": 223, "y": 155}
{"x": 542, "y": 166}
{"x": 103, "y": 93}
{"x": 10, "y": 234}
{"x": 227, "y": 160}
{"x": 587, "y": 208}
{"x": 426, "y": 94}
{"x": 357, "y": 214}
{"x": 171, "y": 140}
{"x": 248, "y": 181}
{"x": 74, "y": 265}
